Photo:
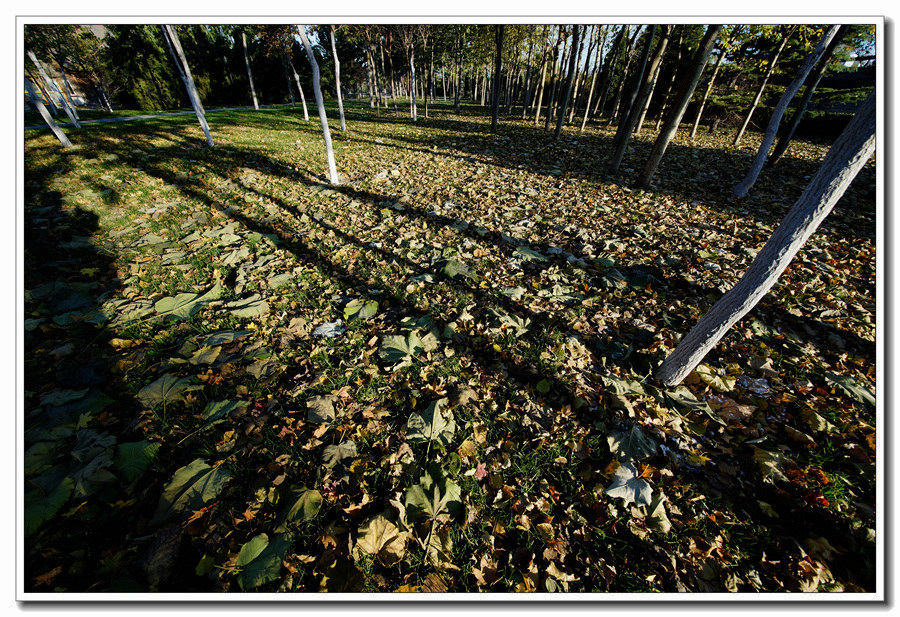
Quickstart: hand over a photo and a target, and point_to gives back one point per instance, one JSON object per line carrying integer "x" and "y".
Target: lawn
{"x": 438, "y": 375}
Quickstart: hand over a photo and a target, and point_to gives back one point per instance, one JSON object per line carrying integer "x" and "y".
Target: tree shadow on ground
{"x": 226, "y": 161}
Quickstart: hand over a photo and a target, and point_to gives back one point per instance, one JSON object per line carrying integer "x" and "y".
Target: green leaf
{"x": 259, "y": 561}
{"x": 529, "y": 255}
{"x": 852, "y": 388}
{"x": 39, "y": 508}
{"x": 335, "y": 454}
{"x": 133, "y": 458}
{"x": 192, "y": 487}
{"x": 253, "y": 306}
{"x": 185, "y": 305}
{"x": 360, "y": 309}
{"x": 685, "y": 399}
{"x": 304, "y": 509}
{"x": 398, "y": 348}
{"x": 629, "y": 486}
{"x": 166, "y": 389}
{"x": 218, "y": 411}
{"x": 622, "y": 386}
{"x": 433, "y": 425}
{"x": 631, "y": 446}
{"x": 433, "y": 498}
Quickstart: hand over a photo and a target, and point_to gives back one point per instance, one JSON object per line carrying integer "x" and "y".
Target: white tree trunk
{"x": 843, "y": 161}
{"x": 686, "y": 90}
{"x": 709, "y": 87}
{"x": 412, "y": 82}
{"x": 300, "y": 88}
{"x": 762, "y": 87}
{"x": 70, "y": 91}
{"x": 52, "y": 87}
{"x": 320, "y": 103}
{"x": 337, "y": 80}
{"x": 39, "y": 104}
{"x": 250, "y": 74}
{"x": 747, "y": 183}
{"x": 185, "y": 71}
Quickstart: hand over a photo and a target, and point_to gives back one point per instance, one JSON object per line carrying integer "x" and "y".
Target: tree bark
{"x": 299, "y": 89}
{"x": 564, "y": 102}
{"x": 844, "y": 160}
{"x": 250, "y": 74}
{"x": 42, "y": 110}
{"x": 762, "y": 87}
{"x": 540, "y": 95}
{"x": 747, "y": 183}
{"x": 683, "y": 99}
{"x": 594, "y": 73}
{"x": 625, "y": 130}
{"x": 785, "y": 139}
{"x": 337, "y": 81}
{"x": 185, "y": 72}
{"x": 320, "y": 103}
{"x": 617, "y": 101}
{"x": 609, "y": 68}
{"x": 52, "y": 86}
{"x": 709, "y": 87}
{"x": 498, "y": 59}
{"x": 665, "y": 103}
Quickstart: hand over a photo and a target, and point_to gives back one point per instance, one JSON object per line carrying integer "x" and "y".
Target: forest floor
{"x": 437, "y": 376}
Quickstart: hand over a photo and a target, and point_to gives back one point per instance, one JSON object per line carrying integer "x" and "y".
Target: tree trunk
{"x": 185, "y": 71}
{"x": 747, "y": 183}
{"x": 617, "y": 101}
{"x": 610, "y": 65}
{"x": 665, "y": 103}
{"x": 250, "y": 74}
{"x": 498, "y": 59}
{"x": 320, "y": 103}
{"x": 540, "y": 95}
{"x": 573, "y": 61}
{"x": 70, "y": 91}
{"x": 337, "y": 81}
{"x": 54, "y": 111}
{"x": 559, "y": 59}
{"x": 785, "y": 139}
{"x": 299, "y": 89}
{"x": 597, "y": 68}
{"x": 412, "y": 82}
{"x": 639, "y": 78}
{"x": 844, "y": 160}
{"x": 52, "y": 86}
{"x": 623, "y": 134}
{"x": 654, "y": 79}
{"x": 579, "y": 74}
{"x": 683, "y": 99}
{"x": 39, "y": 105}
{"x": 709, "y": 87}
{"x": 287, "y": 78}
{"x": 762, "y": 86}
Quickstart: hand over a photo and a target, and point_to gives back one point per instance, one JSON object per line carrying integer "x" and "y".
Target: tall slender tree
{"x": 299, "y": 88}
{"x": 184, "y": 71}
{"x": 498, "y": 59}
{"x": 744, "y": 186}
{"x": 681, "y": 102}
{"x": 786, "y": 35}
{"x": 813, "y": 82}
{"x": 337, "y": 79}
{"x": 573, "y": 61}
{"x": 709, "y": 87}
{"x": 320, "y": 103}
{"x": 626, "y": 128}
{"x": 249, "y": 72}
{"x": 42, "y": 110}
{"x": 844, "y": 160}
